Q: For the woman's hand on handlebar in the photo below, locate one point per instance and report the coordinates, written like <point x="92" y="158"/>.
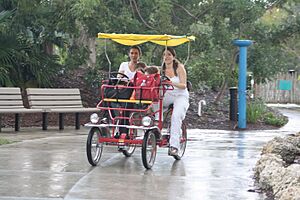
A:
<point x="167" y="83"/>
<point x="118" y="75"/>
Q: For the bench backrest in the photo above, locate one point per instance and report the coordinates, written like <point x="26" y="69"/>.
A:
<point x="54" y="98"/>
<point x="10" y="98"/>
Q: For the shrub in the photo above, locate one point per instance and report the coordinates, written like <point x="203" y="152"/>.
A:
<point x="255" y="111"/>
<point x="271" y="119"/>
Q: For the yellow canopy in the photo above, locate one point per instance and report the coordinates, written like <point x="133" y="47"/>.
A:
<point x="135" y="39"/>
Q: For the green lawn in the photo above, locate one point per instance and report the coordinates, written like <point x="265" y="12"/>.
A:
<point x="4" y="141"/>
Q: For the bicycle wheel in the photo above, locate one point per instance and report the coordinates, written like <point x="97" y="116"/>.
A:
<point x="182" y="138"/>
<point x="93" y="147"/>
<point x="183" y="142"/>
<point x="149" y="149"/>
<point x="129" y="148"/>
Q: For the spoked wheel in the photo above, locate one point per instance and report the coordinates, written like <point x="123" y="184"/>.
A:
<point x="129" y="148"/>
<point x="183" y="142"/>
<point x="149" y="149"/>
<point x="93" y="147"/>
<point x="183" y="136"/>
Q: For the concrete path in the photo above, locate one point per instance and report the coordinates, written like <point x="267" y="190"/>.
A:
<point x="53" y="165"/>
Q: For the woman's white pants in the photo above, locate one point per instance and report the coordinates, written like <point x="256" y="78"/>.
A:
<point x="180" y="107"/>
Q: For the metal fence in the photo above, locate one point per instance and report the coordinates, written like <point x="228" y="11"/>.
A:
<point x="284" y="88"/>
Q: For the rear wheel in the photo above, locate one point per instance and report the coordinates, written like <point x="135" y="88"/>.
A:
<point x="183" y="135"/>
<point x="93" y="147"/>
<point x="129" y="148"/>
<point x="183" y="142"/>
<point x="149" y="149"/>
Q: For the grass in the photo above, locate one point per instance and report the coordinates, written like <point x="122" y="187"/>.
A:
<point x="255" y="111"/>
<point x="4" y="141"/>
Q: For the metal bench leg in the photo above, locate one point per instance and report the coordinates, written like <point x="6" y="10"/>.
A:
<point x="0" y="122"/>
<point x="61" y="121"/>
<point x="17" y="122"/>
<point x="45" y="121"/>
<point x="77" y="121"/>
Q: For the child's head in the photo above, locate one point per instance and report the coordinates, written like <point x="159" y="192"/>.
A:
<point x="140" y="66"/>
<point x="151" y="70"/>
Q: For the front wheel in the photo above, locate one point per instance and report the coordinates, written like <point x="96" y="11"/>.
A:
<point x="149" y="149"/>
<point x="93" y="147"/>
<point x="183" y="142"/>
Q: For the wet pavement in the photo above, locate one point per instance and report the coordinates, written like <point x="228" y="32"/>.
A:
<point x="53" y="165"/>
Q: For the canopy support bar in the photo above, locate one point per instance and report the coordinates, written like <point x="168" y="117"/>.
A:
<point x="188" y="56"/>
<point x="109" y="63"/>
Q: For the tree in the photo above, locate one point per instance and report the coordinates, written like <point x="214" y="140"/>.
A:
<point x="71" y="27"/>
<point x="24" y="58"/>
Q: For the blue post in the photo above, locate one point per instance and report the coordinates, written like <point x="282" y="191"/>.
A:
<point x="242" y="106"/>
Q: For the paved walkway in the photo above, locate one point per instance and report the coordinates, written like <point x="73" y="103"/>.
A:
<point x="53" y="165"/>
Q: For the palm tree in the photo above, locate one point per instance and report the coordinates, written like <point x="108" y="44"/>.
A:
<point x="23" y="62"/>
<point x="8" y="48"/>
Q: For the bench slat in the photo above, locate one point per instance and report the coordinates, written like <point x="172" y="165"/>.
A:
<point x="10" y="97"/>
<point x="20" y="110"/>
<point x="35" y="98"/>
<point x="49" y="108"/>
<point x="9" y="90"/>
<point x="73" y="110"/>
<point x="55" y="103"/>
<point x="12" y="103"/>
<point x="10" y="106"/>
<point x="52" y="91"/>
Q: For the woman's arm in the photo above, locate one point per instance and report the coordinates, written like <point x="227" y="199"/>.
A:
<point x="182" y="77"/>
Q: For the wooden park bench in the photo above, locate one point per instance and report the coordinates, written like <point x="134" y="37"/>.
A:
<point x="11" y="103"/>
<point x="57" y="100"/>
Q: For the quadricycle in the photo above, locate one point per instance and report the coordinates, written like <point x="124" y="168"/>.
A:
<point x="140" y="122"/>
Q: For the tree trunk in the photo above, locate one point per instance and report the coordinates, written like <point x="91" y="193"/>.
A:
<point x="48" y="48"/>
<point x="90" y="43"/>
<point x="92" y="47"/>
<point x="225" y="81"/>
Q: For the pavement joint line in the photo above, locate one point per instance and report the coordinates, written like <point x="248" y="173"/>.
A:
<point x="44" y="172"/>
<point x="28" y="198"/>
<point x="77" y="183"/>
<point x="83" y="178"/>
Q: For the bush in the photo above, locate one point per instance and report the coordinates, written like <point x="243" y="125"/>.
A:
<point x="255" y="111"/>
<point x="274" y="120"/>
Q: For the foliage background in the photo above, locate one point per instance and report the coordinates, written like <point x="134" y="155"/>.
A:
<point x="43" y="38"/>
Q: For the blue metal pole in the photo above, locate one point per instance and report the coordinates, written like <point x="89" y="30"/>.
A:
<point x="242" y="103"/>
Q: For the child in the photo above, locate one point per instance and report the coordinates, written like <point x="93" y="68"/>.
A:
<point x="151" y="70"/>
<point x="143" y="70"/>
<point x="140" y="67"/>
<point x="149" y="78"/>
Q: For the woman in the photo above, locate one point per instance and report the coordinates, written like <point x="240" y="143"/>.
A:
<point x="128" y="68"/>
<point x="179" y="97"/>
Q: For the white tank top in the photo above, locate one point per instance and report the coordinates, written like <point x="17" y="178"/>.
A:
<point x="178" y="91"/>
<point x="125" y="67"/>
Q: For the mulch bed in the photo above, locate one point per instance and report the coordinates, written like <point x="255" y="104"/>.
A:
<point x="214" y="116"/>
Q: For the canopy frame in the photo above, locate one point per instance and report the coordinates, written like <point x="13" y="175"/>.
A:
<point x="137" y="39"/>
